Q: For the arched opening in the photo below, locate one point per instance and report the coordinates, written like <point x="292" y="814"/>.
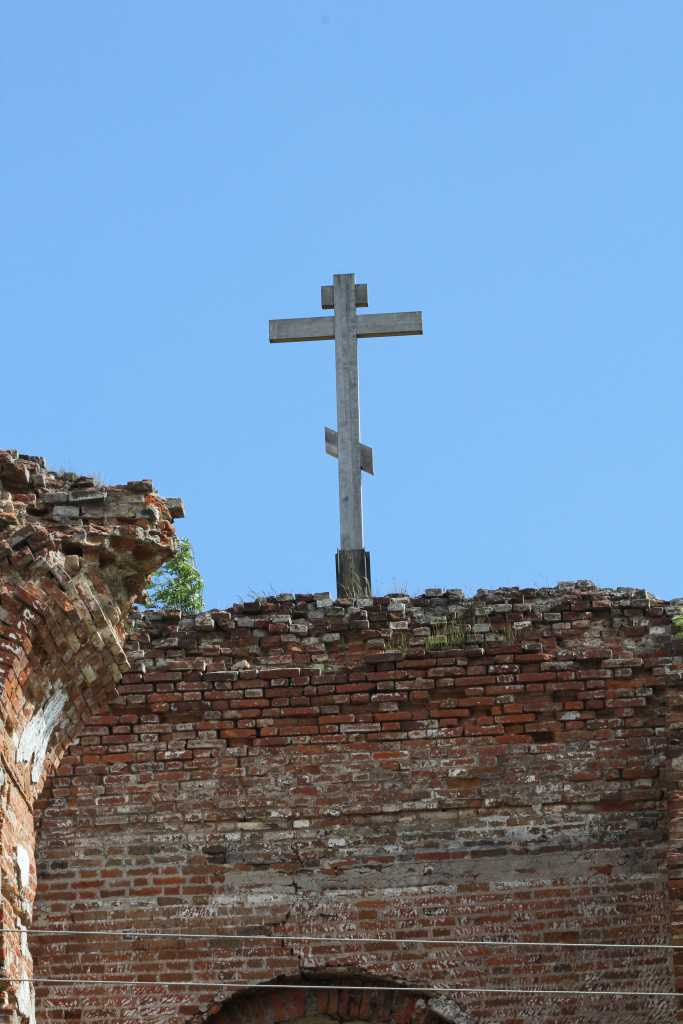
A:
<point x="339" y="999"/>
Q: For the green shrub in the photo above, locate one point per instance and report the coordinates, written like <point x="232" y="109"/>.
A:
<point x="178" y="584"/>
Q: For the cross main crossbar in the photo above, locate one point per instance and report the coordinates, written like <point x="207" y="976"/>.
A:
<point x="368" y="325"/>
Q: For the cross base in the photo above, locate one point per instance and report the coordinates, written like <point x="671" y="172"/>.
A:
<point x="353" y="573"/>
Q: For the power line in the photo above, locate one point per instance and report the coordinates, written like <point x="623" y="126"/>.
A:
<point x="447" y="990"/>
<point x="218" y="937"/>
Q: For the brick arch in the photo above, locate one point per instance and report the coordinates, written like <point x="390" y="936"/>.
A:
<point x="335" y="1000"/>
<point x="64" y="657"/>
<point x="74" y="554"/>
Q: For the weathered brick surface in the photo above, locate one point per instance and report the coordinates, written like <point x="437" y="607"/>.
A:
<point x="302" y="767"/>
<point x="73" y="554"/>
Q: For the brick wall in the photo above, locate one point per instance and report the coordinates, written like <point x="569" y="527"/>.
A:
<point x="434" y="767"/>
<point x="73" y="554"/>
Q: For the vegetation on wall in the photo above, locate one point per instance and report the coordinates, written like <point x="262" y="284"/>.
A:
<point x="178" y="584"/>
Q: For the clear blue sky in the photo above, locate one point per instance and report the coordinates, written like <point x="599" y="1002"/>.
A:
<point x="176" y="174"/>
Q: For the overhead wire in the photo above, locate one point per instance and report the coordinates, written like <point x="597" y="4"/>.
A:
<point x="406" y="989"/>
<point x="133" y="933"/>
<point x="355" y="939"/>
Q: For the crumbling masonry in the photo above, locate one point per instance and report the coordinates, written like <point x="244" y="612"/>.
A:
<point x="435" y="768"/>
<point x="73" y="555"/>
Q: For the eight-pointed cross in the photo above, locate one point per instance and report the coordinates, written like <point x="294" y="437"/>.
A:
<point x="346" y="326"/>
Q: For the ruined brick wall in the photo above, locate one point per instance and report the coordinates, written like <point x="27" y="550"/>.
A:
<point x="439" y="767"/>
<point x="73" y="554"/>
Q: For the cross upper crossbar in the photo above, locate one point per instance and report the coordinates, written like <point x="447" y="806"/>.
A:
<point x="345" y="327"/>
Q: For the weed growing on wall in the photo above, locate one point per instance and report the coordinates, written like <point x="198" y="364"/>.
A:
<point x="678" y="622"/>
<point x="452" y="633"/>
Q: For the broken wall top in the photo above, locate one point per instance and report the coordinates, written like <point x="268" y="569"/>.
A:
<point x="73" y="522"/>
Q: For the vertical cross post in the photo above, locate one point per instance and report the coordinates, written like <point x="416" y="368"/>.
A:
<point x="353" y="562"/>
<point x="345" y="327"/>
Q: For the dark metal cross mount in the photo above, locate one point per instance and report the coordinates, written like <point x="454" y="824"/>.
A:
<point x="345" y="327"/>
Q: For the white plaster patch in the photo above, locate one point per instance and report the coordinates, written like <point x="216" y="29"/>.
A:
<point x="23" y="866"/>
<point x="26" y="1000"/>
<point x="35" y="738"/>
<point x="447" y="1008"/>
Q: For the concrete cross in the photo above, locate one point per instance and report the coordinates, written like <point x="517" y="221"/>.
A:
<point x="345" y="327"/>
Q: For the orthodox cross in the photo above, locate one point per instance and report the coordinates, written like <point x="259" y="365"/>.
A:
<point x="345" y="327"/>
